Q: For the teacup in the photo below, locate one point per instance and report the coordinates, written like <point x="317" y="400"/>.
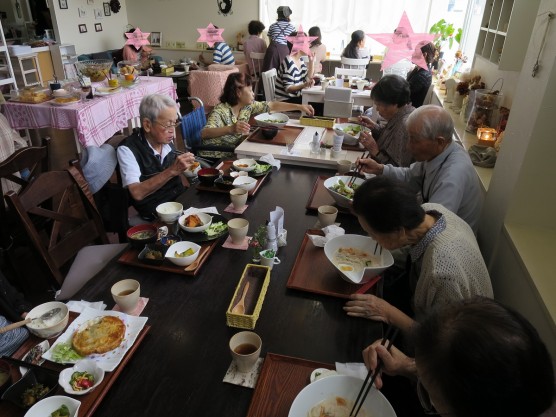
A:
<point x="238" y="196"/>
<point x="126" y="294"/>
<point x="245" y="348"/>
<point x="237" y="228"/>
<point x="344" y="166"/>
<point x="327" y="215"/>
<point x="324" y="84"/>
<point x="269" y="261"/>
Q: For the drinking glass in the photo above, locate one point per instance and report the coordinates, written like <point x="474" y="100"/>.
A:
<point x="290" y="143"/>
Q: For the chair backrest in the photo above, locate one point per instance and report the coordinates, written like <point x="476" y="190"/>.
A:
<point x="350" y="72"/>
<point x="208" y="85"/>
<point x="269" y="84"/>
<point x="192" y="123"/>
<point x="354" y="62"/>
<point x="257" y="61"/>
<point x="63" y="199"/>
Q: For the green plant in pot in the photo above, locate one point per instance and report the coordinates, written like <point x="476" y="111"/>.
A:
<point x="447" y="33"/>
<point x="258" y="242"/>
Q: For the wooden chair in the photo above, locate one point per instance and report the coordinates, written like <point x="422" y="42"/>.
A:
<point x="257" y="64"/>
<point x="350" y="72"/>
<point x="354" y="63"/>
<point x="67" y="247"/>
<point x="208" y="85"/>
<point x="269" y="84"/>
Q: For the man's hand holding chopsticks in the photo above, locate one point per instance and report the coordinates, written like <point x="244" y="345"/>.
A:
<point x="395" y="362"/>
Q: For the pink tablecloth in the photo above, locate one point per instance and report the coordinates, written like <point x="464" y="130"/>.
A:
<point x="95" y="121"/>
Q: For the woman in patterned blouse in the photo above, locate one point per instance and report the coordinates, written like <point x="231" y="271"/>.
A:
<point x="228" y="122"/>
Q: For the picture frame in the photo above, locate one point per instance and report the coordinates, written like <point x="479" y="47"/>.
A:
<point x="82" y="12"/>
<point x="156" y="38"/>
<point x="63" y="4"/>
<point x="106" y="9"/>
<point x="99" y="14"/>
<point x="98" y="27"/>
<point x="82" y="28"/>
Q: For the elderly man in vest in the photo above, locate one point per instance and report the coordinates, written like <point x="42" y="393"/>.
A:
<point x="150" y="167"/>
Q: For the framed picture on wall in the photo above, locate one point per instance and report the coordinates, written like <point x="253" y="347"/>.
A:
<point x="106" y="9"/>
<point x="82" y="12"/>
<point x="98" y="27"/>
<point x="63" y="4"/>
<point x="99" y="14"/>
<point x="156" y="38"/>
<point x="82" y="28"/>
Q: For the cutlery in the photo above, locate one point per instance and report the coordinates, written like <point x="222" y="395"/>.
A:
<point x="239" y="308"/>
<point x="195" y="263"/>
<point x="27" y="364"/>
<point x="45" y="316"/>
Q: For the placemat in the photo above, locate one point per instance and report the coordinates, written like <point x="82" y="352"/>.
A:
<point x="281" y="138"/>
<point x="321" y="197"/>
<point x="225" y="167"/>
<point x="89" y="402"/>
<point x="313" y="272"/>
<point x="281" y="379"/>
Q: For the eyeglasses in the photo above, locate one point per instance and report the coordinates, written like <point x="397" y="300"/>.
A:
<point x="425" y="400"/>
<point x="170" y="126"/>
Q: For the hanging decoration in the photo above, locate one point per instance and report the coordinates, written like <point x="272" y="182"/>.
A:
<point x="115" y="6"/>
<point x="224" y="7"/>
<point x="210" y="35"/>
<point x="301" y="42"/>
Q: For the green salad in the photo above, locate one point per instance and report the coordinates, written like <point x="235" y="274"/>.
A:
<point x="216" y="228"/>
<point x="63" y="353"/>
<point x="352" y="130"/>
<point x="342" y="188"/>
<point x="262" y="168"/>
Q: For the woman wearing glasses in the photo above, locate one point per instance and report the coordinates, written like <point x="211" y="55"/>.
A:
<point x="474" y="358"/>
<point x="150" y="168"/>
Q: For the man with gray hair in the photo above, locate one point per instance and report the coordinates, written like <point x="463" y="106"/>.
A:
<point x="443" y="172"/>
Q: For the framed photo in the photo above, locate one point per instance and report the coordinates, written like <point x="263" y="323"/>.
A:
<point x="82" y="28"/>
<point x="156" y="38"/>
<point x="106" y="9"/>
<point x="99" y="14"/>
<point x="63" y="4"/>
<point x="98" y="27"/>
<point x="82" y="12"/>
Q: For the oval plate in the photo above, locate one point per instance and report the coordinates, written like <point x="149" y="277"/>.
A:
<point x="203" y="237"/>
<point x="254" y="173"/>
<point x="34" y="355"/>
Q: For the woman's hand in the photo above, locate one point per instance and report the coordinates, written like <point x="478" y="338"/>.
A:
<point x="370" y="166"/>
<point x="240" y="128"/>
<point x="368" y="306"/>
<point x="307" y="109"/>
<point x="367" y="122"/>
<point x="367" y="140"/>
<point x="394" y="362"/>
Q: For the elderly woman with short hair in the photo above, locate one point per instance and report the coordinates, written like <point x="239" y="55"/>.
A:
<point x="444" y="263"/>
<point x="150" y="168"/>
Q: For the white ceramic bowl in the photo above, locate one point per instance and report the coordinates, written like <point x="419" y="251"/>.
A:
<point x="50" y="404"/>
<point x="349" y="139"/>
<point x="247" y="183"/>
<point x="191" y="173"/>
<point x="364" y="243"/>
<point x="245" y="164"/>
<point x="344" y="386"/>
<point x="81" y="366"/>
<point x="341" y="199"/>
<point x="205" y="218"/>
<point x="272" y="119"/>
<point x="182" y="247"/>
<point x="169" y="212"/>
<point x="55" y="326"/>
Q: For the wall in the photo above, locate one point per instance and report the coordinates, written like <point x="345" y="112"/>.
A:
<point x="67" y="21"/>
<point x="490" y="74"/>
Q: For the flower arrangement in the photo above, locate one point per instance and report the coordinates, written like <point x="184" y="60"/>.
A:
<point x="258" y="242"/>
<point x="463" y="88"/>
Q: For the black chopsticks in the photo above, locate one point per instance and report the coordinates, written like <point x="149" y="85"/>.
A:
<point x="357" y="170"/>
<point x="28" y="365"/>
<point x="387" y="340"/>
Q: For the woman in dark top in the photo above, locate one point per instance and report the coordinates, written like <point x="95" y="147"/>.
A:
<point x="419" y="78"/>
<point x="356" y="47"/>
<point x="277" y="32"/>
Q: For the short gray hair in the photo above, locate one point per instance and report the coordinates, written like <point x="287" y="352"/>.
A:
<point x="435" y="121"/>
<point x="152" y="105"/>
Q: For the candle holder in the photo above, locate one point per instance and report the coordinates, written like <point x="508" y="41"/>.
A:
<point x="487" y="136"/>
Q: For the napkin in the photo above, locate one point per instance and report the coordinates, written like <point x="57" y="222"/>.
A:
<point x="79" y="306"/>
<point x="241" y="246"/>
<point x="271" y="160"/>
<point x="277" y="221"/>
<point x="141" y="304"/>
<point x="193" y="210"/>
<point x="244" y="379"/>
<point x="356" y="369"/>
<point x="230" y="209"/>
<point x="329" y="232"/>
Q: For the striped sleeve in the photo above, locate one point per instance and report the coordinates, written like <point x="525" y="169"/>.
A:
<point x="289" y="74"/>
<point x="223" y="54"/>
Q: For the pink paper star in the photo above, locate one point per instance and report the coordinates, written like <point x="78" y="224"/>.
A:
<point x="210" y="35"/>
<point x="402" y="44"/>
<point x="301" y="42"/>
<point x="137" y="38"/>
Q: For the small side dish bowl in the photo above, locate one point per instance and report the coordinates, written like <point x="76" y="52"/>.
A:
<point x="142" y="234"/>
<point x="153" y="254"/>
<point x="247" y="183"/>
<point x="181" y="247"/>
<point x="269" y="132"/>
<point x="208" y="175"/>
<point x="169" y="212"/>
<point x="169" y="240"/>
<point x="47" y="406"/>
<point x="205" y="218"/>
<point x="49" y="380"/>
<point x="350" y="131"/>
<point x="342" y="198"/>
<point x="225" y="182"/>
<point x="193" y="170"/>
<point x="245" y="164"/>
<point x="52" y="327"/>
<point x="272" y="119"/>
<point x="82" y="366"/>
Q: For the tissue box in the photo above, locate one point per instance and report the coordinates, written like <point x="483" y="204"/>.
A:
<point x="167" y="70"/>
<point x="258" y="277"/>
<point x="317" y="121"/>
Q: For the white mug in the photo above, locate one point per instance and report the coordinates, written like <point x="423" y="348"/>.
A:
<point x="270" y="262"/>
<point x="324" y="84"/>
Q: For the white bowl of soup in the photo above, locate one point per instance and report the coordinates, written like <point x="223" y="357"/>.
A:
<point x="357" y="258"/>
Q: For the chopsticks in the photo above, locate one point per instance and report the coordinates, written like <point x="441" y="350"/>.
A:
<point x="387" y="340"/>
<point x="28" y="365"/>
<point x="357" y="170"/>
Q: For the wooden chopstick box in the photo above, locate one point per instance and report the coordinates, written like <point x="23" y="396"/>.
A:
<point x="258" y="277"/>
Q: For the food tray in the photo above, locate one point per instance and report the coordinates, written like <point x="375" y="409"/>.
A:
<point x="282" y="136"/>
<point x="89" y="402"/>
<point x="131" y="257"/>
<point x="281" y="379"/>
<point x="258" y="277"/>
<point x="321" y="197"/>
<point x="317" y="121"/>
<point x="313" y="272"/>
<point x="225" y="167"/>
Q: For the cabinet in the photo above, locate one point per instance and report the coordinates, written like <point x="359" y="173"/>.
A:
<point x="6" y="71"/>
<point x="505" y="31"/>
<point x="63" y="60"/>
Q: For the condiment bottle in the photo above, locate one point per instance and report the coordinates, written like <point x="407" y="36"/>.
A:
<point x="271" y="242"/>
<point x="315" y="144"/>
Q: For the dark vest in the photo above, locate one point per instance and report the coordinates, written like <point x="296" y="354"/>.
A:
<point x="150" y="165"/>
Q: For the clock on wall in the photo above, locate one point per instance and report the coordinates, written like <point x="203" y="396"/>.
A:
<point x="224" y="7"/>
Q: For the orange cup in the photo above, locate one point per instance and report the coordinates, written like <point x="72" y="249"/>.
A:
<point x="129" y="77"/>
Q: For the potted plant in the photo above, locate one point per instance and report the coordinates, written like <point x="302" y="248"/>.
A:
<point x="258" y="242"/>
<point x="446" y="32"/>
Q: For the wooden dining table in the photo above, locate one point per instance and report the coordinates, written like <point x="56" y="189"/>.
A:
<point x="178" y="368"/>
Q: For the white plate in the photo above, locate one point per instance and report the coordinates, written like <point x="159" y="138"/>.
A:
<point x="55" y="103"/>
<point x="41" y="348"/>
<point x="109" y="360"/>
<point x="106" y="91"/>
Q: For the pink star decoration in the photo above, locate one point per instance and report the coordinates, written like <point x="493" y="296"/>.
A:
<point x="403" y="43"/>
<point x="301" y="42"/>
<point x="210" y="35"/>
<point x="137" y="38"/>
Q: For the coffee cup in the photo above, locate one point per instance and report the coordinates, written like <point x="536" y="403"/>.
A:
<point x="327" y="215"/>
<point x="55" y="86"/>
<point x="126" y="294"/>
<point x="324" y="84"/>
<point x="344" y="166"/>
<point x="245" y="348"/>
<point x="237" y="228"/>
<point x="267" y="260"/>
<point x="238" y="196"/>
<point x="361" y="84"/>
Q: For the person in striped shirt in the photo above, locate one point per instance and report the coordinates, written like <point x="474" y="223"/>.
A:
<point x="277" y="32"/>
<point x="222" y="55"/>
<point x="293" y="76"/>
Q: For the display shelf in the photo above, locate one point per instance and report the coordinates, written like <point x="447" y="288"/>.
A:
<point x="62" y="56"/>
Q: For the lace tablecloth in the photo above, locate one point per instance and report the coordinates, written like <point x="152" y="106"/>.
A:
<point x="95" y="121"/>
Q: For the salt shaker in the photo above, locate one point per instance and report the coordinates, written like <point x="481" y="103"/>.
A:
<point x="315" y="144"/>
<point x="271" y="242"/>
